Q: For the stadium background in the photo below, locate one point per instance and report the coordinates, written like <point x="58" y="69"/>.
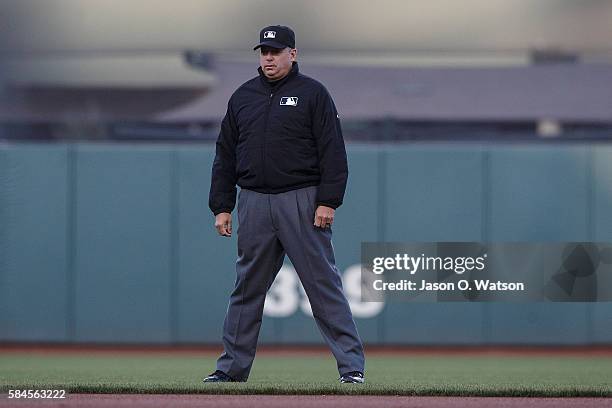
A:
<point x="461" y="131"/>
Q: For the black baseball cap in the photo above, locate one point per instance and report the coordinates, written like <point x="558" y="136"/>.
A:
<point x="276" y="36"/>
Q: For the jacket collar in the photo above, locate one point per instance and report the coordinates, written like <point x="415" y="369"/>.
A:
<point x="294" y="71"/>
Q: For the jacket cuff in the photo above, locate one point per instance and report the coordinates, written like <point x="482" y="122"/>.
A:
<point x="334" y="206"/>
<point x="222" y="210"/>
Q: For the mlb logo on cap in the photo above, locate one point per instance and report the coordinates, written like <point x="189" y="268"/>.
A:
<point x="289" y="100"/>
<point x="270" y="34"/>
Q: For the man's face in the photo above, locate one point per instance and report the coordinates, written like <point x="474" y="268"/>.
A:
<point x="275" y="62"/>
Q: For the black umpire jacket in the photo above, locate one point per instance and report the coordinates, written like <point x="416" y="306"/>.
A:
<point x="279" y="136"/>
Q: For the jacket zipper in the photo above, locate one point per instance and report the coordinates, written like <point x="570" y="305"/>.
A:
<point x="263" y="148"/>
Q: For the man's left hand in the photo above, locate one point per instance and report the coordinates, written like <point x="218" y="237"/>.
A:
<point x="324" y="216"/>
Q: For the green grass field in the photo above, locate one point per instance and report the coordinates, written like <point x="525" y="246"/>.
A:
<point x="475" y="375"/>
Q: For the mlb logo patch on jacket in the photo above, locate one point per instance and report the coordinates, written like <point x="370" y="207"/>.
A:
<point x="289" y="100"/>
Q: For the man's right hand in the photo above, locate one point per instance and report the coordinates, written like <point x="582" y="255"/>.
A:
<point x="223" y="224"/>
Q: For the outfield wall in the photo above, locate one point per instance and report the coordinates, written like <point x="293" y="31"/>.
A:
<point x="115" y="242"/>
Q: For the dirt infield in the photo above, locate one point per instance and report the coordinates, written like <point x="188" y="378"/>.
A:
<point x="306" y="401"/>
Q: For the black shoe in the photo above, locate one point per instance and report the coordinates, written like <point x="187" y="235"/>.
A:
<point x="218" y="376"/>
<point x="354" y="377"/>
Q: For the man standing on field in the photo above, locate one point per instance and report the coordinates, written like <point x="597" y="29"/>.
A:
<point x="281" y="142"/>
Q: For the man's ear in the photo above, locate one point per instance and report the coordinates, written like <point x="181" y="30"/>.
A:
<point x="293" y="53"/>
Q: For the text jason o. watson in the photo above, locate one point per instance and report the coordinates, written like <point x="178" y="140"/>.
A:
<point x="423" y="285"/>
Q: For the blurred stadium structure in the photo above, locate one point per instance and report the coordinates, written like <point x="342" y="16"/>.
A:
<point x="113" y="241"/>
<point x="415" y="71"/>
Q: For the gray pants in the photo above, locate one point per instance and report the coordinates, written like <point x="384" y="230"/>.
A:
<point x="271" y="225"/>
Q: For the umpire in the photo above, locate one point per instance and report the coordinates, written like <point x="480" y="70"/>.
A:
<point x="281" y="142"/>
